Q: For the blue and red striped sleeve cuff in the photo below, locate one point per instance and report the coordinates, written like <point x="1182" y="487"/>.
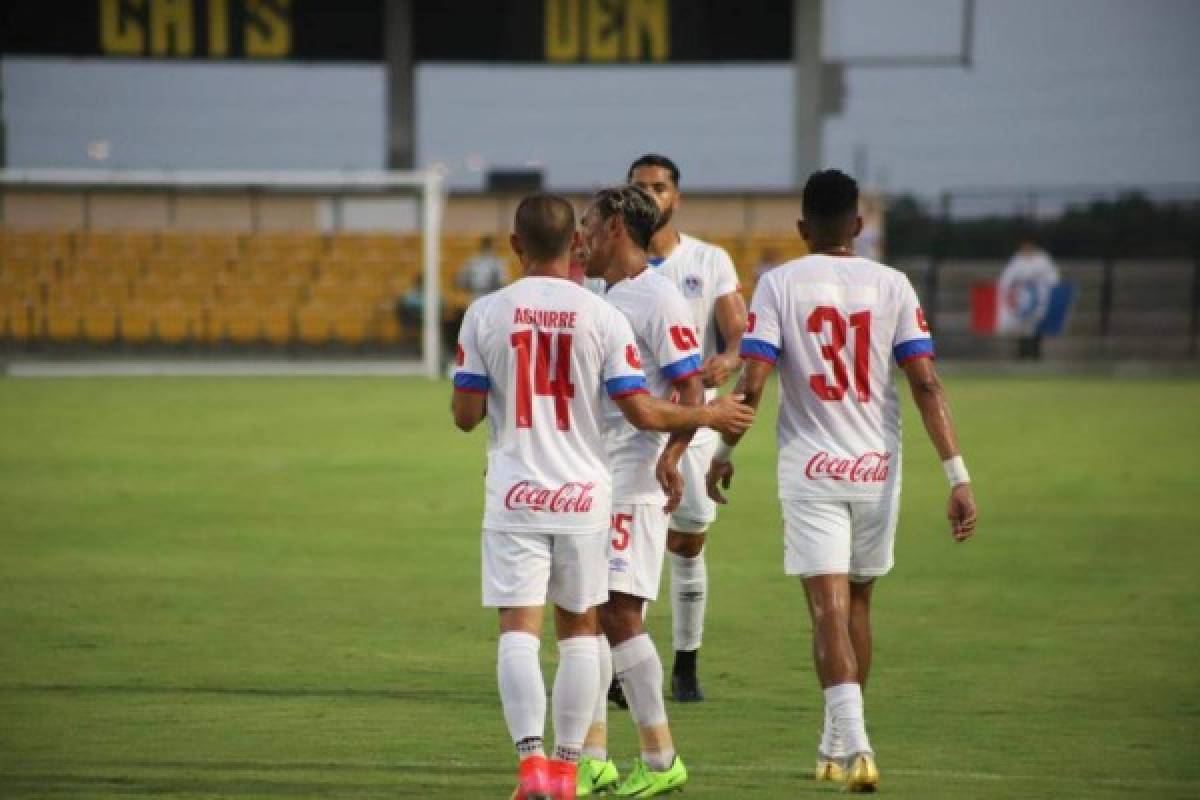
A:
<point x="913" y="348"/>
<point x="470" y="382"/>
<point x="683" y="368"/>
<point x="625" y="386"/>
<point x="758" y="350"/>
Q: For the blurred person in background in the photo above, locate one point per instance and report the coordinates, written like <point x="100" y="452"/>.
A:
<point x="1024" y="289"/>
<point x="705" y="275"/>
<point x="768" y="261"/>
<point x="483" y="272"/>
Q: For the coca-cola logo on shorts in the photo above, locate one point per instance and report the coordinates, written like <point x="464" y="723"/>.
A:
<point x="872" y="467"/>
<point x="570" y="498"/>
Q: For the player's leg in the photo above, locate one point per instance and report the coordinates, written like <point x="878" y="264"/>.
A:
<point x="872" y="555"/>
<point x="817" y="548"/>
<point x="860" y="625"/>
<point x="516" y="570"/>
<point x="689" y="570"/>
<point x="578" y="583"/>
<point x="635" y="566"/>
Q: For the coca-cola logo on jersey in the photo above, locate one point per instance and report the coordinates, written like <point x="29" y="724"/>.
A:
<point x="570" y="498"/>
<point x="872" y="467"/>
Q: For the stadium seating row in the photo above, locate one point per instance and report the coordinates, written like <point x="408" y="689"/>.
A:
<point x="138" y="286"/>
<point x="175" y="324"/>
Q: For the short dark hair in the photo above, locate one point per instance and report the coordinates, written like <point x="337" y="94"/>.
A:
<point x="638" y="211"/>
<point x="545" y="224"/>
<point x="830" y="195"/>
<point x="655" y="160"/>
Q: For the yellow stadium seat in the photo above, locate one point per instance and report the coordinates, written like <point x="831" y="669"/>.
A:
<point x="351" y="324"/>
<point x="136" y="324"/>
<point x="313" y="324"/>
<point x="17" y="322"/>
<point x="62" y="322"/>
<point x="276" y="323"/>
<point x="173" y="323"/>
<point x="241" y="324"/>
<point x="99" y="323"/>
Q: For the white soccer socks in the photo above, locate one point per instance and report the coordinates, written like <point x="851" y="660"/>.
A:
<point x="689" y="596"/>
<point x="522" y="691"/>
<point x="844" y="704"/>
<point x="832" y="744"/>
<point x="595" y="745"/>
<point x="575" y="688"/>
<point x="640" y="671"/>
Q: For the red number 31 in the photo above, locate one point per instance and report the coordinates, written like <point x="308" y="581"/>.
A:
<point x="828" y="320"/>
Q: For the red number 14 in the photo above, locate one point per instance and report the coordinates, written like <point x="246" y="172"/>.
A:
<point x="559" y="387"/>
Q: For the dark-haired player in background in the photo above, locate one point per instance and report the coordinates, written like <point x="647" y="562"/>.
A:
<point x="833" y="323"/>
<point x="617" y="227"/>
<point x="705" y="275"/>
<point x="537" y="359"/>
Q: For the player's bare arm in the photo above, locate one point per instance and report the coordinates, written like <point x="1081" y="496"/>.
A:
<point x="691" y="393"/>
<point x="750" y="387"/>
<point x="730" y="313"/>
<point x="930" y="397"/>
<point x="726" y="415"/>
<point x="469" y="409"/>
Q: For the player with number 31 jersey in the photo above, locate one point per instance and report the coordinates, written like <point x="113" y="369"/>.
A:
<point x="834" y="324"/>
<point x="839" y="417"/>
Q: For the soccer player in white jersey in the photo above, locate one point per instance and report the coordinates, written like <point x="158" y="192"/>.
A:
<point x="705" y="275"/>
<point x="537" y="359"/>
<point x="617" y="227"/>
<point x="834" y="323"/>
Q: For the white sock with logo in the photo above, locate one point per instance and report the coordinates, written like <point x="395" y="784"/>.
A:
<point x="689" y="596"/>
<point x="832" y="745"/>
<point x="845" y="704"/>
<point x="592" y="747"/>
<point x="522" y="690"/>
<point x="574" y="698"/>
<point x="640" y="670"/>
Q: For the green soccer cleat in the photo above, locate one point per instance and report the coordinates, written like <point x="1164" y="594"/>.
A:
<point x="644" y="783"/>
<point x="595" y="777"/>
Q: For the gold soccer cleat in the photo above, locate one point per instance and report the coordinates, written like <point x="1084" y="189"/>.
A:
<point x="862" y="775"/>
<point x="829" y="769"/>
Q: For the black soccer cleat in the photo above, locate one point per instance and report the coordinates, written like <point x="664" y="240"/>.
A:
<point x="685" y="685"/>
<point x="616" y="695"/>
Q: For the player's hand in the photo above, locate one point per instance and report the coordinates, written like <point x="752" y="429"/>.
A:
<point x="670" y="479"/>
<point x="717" y="369"/>
<point x="729" y="415"/>
<point x="720" y="473"/>
<point x="961" y="512"/>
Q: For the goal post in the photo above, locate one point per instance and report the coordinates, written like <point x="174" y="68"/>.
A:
<point x="389" y="202"/>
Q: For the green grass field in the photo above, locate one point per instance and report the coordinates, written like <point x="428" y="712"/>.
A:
<point x="270" y="588"/>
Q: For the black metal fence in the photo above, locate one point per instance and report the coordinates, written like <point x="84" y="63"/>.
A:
<point x="1133" y="253"/>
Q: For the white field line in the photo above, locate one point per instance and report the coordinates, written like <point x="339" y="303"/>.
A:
<point x="698" y="769"/>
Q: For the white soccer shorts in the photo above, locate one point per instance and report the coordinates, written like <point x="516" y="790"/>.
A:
<point x="836" y="538"/>
<point x="636" y="544"/>
<point x="696" y="511"/>
<point x="529" y="569"/>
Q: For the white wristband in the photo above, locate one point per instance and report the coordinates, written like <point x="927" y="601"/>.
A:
<point x="956" y="471"/>
<point x="724" y="451"/>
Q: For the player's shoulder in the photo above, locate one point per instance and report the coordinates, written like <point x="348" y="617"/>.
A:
<point x="704" y="251"/>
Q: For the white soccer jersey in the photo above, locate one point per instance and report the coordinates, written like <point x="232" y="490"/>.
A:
<point x="546" y="351"/>
<point x="667" y="344"/>
<point x="834" y="325"/>
<point x="702" y="272"/>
